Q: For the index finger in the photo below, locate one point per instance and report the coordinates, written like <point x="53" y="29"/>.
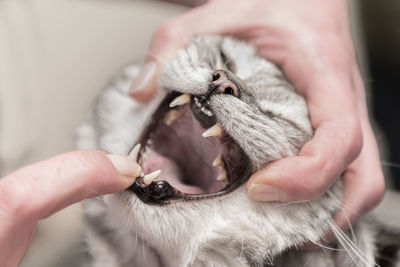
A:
<point x="174" y="35"/>
<point x="43" y="188"/>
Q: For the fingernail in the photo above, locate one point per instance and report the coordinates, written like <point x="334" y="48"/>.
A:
<point x="144" y="77"/>
<point x="264" y="192"/>
<point x="124" y="165"/>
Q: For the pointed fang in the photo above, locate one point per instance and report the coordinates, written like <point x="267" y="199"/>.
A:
<point x="180" y="100"/>
<point x="218" y="162"/>
<point x="149" y="178"/>
<point x="216" y="130"/>
<point x="134" y="153"/>
<point x="171" y="117"/>
<point x="222" y="177"/>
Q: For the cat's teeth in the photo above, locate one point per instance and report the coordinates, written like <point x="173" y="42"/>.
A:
<point x="148" y="178"/>
<point x="206" y="111"/>
<point x="202" y="108"/>
<point x="134" y="153"/>
<point x="218" y="162"/>
<point x="222" y="177"/>
<point x="216" y="130"/>
<point x="180" y="100"/>
<point x="172" y="116"/>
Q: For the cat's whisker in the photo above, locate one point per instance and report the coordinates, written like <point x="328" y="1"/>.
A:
<point x="172" y="116"/>
<point x="149" y="178"/>
<point x="180" y="100"/>
<point x="215" y="130"/>
<point x="134" y="153"/>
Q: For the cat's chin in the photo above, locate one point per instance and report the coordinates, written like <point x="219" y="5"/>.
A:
<point x="196" y="163"/>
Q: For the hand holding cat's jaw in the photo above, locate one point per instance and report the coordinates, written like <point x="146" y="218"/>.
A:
<point x="322" y="71"/>
<point x="145" y="86"/>
<point x="343" y="146"/>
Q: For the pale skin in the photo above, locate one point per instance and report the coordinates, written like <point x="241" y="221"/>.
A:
<point x="39" y="190"/>
<point x="310" y="40"/>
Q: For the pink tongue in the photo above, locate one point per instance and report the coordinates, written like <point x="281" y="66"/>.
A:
<point x="169" y="171"/>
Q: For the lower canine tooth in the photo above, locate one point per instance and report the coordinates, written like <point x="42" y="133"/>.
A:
<point x="222" y="177"/>
<point x="180" y="100"/>
<point x="171" y="117"/>
<point x="148" y="178"/>
<point x="216" y="130"/>
<point x="134" y="153"/>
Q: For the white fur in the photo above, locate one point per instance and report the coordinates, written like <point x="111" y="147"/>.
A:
<point x="225" y="231"/>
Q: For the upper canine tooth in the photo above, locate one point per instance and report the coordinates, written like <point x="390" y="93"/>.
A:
<point x="134" y="153"/>
<point x="148" y="178"/>
<point x="172" y="117"/>
<point x="218" y="162"/>
<point x="180" y="100"/>
<point x="216" y="130"/>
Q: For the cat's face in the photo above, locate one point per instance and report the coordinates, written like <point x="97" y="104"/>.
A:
<point x="252" y="113"/>
<point x="196" y="211"/>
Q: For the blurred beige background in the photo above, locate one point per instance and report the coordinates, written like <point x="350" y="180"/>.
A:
<point x="56" y="55"/>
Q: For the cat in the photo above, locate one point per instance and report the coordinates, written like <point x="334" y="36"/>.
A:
<point x="223" y="113"/>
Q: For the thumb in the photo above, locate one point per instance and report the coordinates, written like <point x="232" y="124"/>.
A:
<point x="175" y="34"/>
<point x="162" y="49"/>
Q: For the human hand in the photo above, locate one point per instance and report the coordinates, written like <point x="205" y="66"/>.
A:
<point x="311" y="41"/>
<point x="39" y="190"/>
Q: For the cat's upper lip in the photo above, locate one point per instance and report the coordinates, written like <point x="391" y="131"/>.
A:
<point x="230" y="164"/>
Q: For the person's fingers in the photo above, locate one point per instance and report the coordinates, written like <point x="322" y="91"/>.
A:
<point x="145" y="85"/>
<point x="363" y="181"/>
<point x="43" y="188"/>
<point x="175" y="34"/>
<point x="167" y="40"/>
<point x="363" y="185"/>
<point x="38" y="190"/>
<point x="336" y="143"/>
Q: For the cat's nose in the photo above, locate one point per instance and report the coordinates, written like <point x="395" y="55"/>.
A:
<point x="223" y="83"/>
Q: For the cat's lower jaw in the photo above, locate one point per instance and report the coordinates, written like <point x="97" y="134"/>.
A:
<point x="207" y="238"/>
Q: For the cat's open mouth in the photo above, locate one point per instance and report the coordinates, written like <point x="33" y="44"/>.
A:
<point x="196" y="157"/>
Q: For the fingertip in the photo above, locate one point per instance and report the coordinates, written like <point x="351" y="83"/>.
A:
<point x="97" y="171"/>
<point x="109" y="173"/>
<point x="144" y="95"/>
<point x="125" y="166"/>
<point x="166" y="41"/>
<point x="265" y="185"/>
<point x="266" y="193"/>
<point x="144" y="86"/>
<point x="293" y="179"/>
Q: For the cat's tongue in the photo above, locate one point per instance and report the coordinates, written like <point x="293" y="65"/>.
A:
<point x="170" y="172"/>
